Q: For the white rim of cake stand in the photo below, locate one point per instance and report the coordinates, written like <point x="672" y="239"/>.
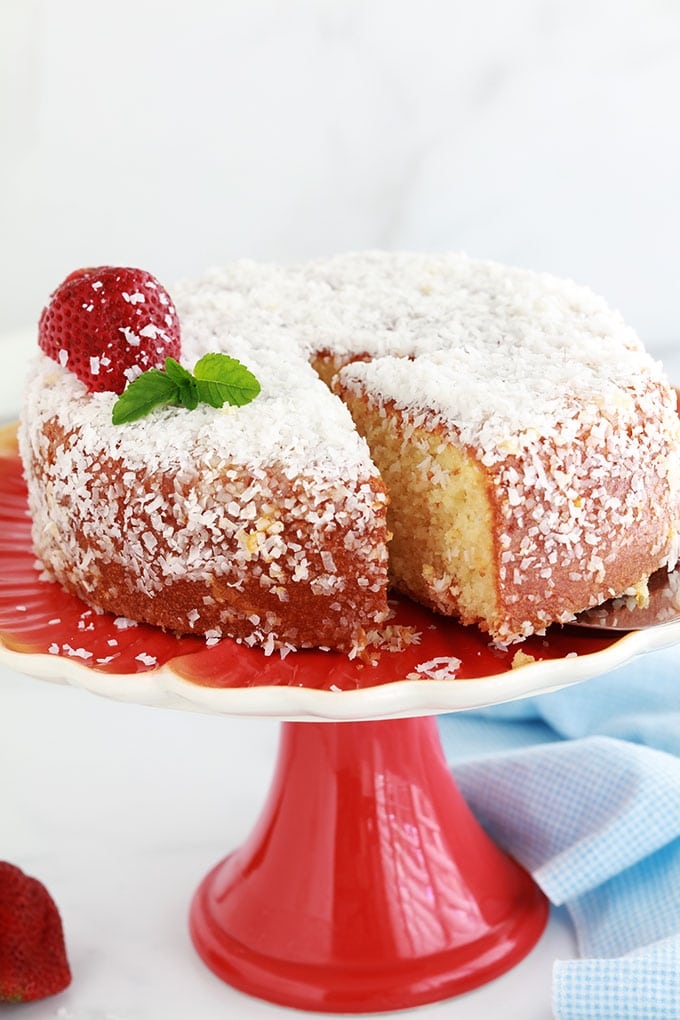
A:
<point x="164" y="688"/>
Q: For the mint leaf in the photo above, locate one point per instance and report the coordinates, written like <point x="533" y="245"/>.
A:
<point x="188" y="394"/>
<point x="143" y="394"/>
<point x="187" y="390"/>
<point x="217" y="380"/>
<point x="224" y="380"/>
<point x="177" y="372"/>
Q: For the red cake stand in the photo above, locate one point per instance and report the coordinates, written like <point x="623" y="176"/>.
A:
<point x="367" y="885"/>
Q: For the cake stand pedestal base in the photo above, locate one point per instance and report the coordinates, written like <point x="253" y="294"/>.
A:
<point x="366" y="885"/>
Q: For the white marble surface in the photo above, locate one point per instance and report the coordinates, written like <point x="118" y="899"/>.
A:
<point x="176" y="135"/>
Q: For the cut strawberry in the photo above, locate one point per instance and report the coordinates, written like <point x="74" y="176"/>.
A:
<point x="33" y="960"/>
<point x="108" y="325"/>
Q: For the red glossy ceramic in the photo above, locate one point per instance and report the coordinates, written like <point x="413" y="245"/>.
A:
<point x="367" y="885"/>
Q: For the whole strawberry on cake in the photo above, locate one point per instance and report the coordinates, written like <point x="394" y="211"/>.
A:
<point x="263" y="454"/>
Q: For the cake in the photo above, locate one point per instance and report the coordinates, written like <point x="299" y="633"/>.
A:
<point x="486" y="440"/>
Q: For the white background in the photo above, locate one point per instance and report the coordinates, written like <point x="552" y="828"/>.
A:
<point x="177" y="136"/>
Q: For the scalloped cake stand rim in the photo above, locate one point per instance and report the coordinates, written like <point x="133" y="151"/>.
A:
<point x="163" y="687"/>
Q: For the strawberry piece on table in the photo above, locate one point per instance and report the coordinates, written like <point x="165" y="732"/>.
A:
<point x="33" y="961"/>
<point x="108" y="325"/>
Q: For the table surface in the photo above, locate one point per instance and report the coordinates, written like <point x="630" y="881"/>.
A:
<point x="121" y="809"/>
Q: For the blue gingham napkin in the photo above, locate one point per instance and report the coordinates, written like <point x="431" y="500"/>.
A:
<point x="582" y="786"/>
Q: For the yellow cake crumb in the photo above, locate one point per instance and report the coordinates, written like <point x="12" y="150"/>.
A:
<point x="521" y="658"/>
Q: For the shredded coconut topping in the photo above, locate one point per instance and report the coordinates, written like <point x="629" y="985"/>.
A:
<point x="443" y="667"/>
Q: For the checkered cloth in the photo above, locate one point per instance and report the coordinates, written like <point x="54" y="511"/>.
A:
<point x="582" y="786"/>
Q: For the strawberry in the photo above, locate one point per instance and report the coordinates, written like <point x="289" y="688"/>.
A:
<point x="108" y="325"/>
<point x="33" y="960"/>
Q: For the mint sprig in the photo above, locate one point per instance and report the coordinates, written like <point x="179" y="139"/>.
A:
<point x="217" y="379"/>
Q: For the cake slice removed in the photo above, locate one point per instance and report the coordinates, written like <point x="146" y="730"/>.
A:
<point x="527" y="482"/>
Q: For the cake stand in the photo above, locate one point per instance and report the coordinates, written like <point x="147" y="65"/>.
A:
<point x="366" y="885"/>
